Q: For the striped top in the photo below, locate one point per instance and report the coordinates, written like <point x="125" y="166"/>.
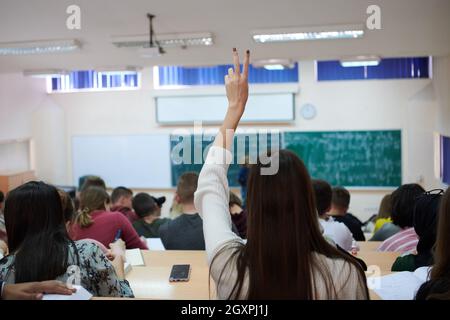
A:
<point x="403" y="241"/>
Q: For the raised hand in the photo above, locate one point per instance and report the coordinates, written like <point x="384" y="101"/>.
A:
<point x="236" y="84"/>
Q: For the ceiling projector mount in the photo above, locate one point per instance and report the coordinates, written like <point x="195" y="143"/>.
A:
<point x="153" y="48"/>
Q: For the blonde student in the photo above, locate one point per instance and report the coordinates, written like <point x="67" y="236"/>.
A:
<point x="286" y="256"/>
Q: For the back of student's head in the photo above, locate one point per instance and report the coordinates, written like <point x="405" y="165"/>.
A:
<point x="340" y="198"/>
<point x="119" y="193"/>
<point x="144" y="205"/>
<point x="91" y="199"/>
<point x="186" y="187"/>
<point x="385" y="209"/>
<point x="2" y="199"/>
<point x="283" y="235"/>
<point x="441" y="268"/>
<point x="425" y="225"/>
<point x="92" y="181"/>
<point x="234" y="200"/>
<point x="403" y="202"/>
<point x="37" y="235"/>
<point x="322" y="195"/>
<point x="67" y="206"/>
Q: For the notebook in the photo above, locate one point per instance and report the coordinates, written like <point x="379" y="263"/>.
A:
<point x="81" y="294"/>
<point x="399" y="285"/>
<point x="155" y="244"/>
<point x="134" y="257"/>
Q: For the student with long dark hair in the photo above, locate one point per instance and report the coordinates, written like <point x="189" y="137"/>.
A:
<point x="41" y="249"/>
<point x="425" y="225"/>
<point x="286" y="256"/>
<point x="438" y="287"/>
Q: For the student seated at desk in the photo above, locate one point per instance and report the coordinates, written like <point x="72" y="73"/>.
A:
<point x="149" y="215"/>
<point x="340" y="202"/>
<point x="286" y="256"/>
<point x="384" y="228"/>
<point x="2" y="219"/>
<point x="41" y="249"/>
<point x="95" y="221"/>
<point x="438" y="287"/>
<point x="186" y="231"/>
<point x="121" y="201"/>
<point x="425" y="226"/>
<point x="336" y="231"/>
<point x="403" y="202"/>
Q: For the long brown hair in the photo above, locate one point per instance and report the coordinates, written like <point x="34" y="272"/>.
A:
<point x="91" y="199"/>
<point x="441" y="268"/>
<point x="385" y="209"/>
<point x="283" y="234"/>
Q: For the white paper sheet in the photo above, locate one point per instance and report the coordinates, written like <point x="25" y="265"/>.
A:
<point x="134" y="257"/>
<point x="81" y="294"/>
<point x="155" y="244"/>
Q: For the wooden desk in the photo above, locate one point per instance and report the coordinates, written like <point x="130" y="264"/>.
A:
<point x="152" y="280"/>
<point x="369" y="245"/>
<point x="384" y="260"/>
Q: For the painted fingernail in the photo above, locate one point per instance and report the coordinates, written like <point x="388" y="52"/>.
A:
<point x="234" y="49"/>
<point x="248" y="51"/>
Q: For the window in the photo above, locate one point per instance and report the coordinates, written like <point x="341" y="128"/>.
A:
<point x="90" y="80"/>
<point x="389" y="68"/>
<point x="178" y="76"/>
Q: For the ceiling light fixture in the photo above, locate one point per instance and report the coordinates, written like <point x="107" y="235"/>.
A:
<point x="308" y="33"/>
<point x="39" y="47"/>
<point x="274" y="64"/>
<point x="165" y="40"/>
<point x="360" y="61"/>
<point x="45" y="73"/>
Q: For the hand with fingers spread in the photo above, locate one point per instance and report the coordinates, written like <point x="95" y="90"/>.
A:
<point x="236" y="83"/>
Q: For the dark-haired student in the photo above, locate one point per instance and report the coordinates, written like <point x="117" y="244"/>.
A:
<point x="149" y="214"/>
<point x="384" y="228"/>
<point x="91" y="181"/>
<point x="2" y="219"/>
<point x="438" y="287"/>
<point x="186" y="231"/>
<point x="33" y="290"/>
<point x="41" y="249"/>
<point x="286" y="256"/>
<point x="334" y="230"/>
<point x="340" y="202"/>
<point x="425" y="225"/>
<point x="403" y="202"/>
<point x="96" y="221"/>
<point x="121" y="201"/>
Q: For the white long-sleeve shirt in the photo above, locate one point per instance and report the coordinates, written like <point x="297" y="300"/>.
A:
<point x="211" y="201"/>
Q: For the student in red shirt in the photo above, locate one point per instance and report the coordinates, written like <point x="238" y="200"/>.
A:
<point x="95" y="221"/>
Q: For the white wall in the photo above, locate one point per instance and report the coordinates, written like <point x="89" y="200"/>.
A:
<point x="410" y="105"/>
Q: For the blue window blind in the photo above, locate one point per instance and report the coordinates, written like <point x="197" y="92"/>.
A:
<point x="445" y="159"/>
<point x="90" y="79"/>
<point x="204" y="76"/>
<point x="389" y="68"/>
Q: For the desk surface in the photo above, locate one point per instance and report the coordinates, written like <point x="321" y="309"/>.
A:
<point x="369" y="245"/>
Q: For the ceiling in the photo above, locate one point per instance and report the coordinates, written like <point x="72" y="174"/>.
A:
<point x="409" y="27"/>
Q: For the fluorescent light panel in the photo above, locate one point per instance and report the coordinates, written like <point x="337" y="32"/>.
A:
<point x="45" y="73"/>
<point x="361" y="61"/>
<point x="273" y="64"/>
<point x="165" y="40"/>
<point x="311" y="33"/>
<point x="39" y="47"/>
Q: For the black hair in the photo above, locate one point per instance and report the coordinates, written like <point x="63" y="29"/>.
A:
<point x="144" y="205"/>
<point x="2" y="196"/>
<point x="322" y="195"/>
<point x="403" y="202"/>
<point x="37" y="234"/>
<point x="120" y="192"/>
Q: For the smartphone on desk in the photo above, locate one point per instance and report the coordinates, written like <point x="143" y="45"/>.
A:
<point x="180" y="272"/>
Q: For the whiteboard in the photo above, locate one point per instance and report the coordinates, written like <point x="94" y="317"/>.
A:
<point x="267" y="107"/>
<point x="140" y="161"/>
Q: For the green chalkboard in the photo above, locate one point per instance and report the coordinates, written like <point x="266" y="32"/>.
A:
<point x="350" y="158"/>
<point x="188" y="152"/>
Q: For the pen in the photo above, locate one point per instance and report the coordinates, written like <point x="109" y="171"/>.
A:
<point x="118" y="235"/>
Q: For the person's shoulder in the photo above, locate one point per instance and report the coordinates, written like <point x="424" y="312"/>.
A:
<point x="87" y="247"/>
<point x="404" y="263"/>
